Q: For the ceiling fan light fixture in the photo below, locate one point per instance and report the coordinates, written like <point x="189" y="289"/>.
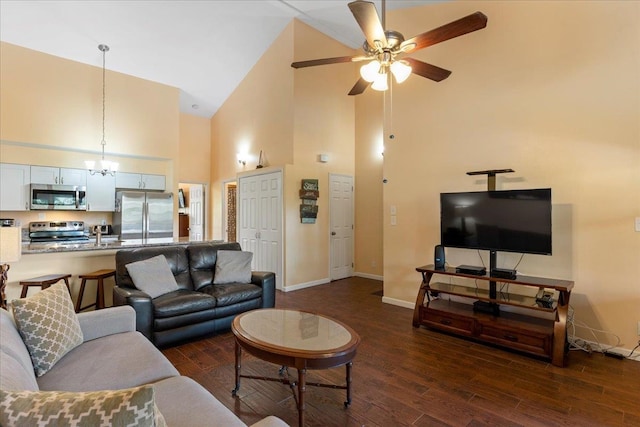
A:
<point x="401" y="70"/>
<point x="370" y="71"/>
<point x="380" y="83"/>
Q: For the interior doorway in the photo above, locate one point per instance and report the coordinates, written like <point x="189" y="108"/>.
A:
<point x="229" y="221"/>
<point x="341" y="226"/>
<point x="192" y="211"/>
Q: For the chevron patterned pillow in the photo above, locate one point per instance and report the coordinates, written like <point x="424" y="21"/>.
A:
<point x="48" y="325"/>
<point x="129" y="407"/>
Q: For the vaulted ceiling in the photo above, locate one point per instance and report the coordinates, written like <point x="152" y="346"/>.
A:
<point x="203" y="47"/>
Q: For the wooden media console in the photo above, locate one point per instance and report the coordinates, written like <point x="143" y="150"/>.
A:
<point x="529" y="326"/>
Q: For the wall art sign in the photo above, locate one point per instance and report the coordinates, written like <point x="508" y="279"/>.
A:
<point x="309" y="195"/>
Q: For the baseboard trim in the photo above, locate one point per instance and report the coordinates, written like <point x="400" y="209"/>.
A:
<point x="369" y="276"/>
<point x="305" y="285"/>
<point x="398" y="302"/>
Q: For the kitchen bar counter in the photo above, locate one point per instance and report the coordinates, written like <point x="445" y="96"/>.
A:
<point x="108" y="243"/>
<point x="76" y="258"/>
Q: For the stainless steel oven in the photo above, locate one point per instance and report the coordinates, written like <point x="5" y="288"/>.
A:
<point x="58" y="197"/>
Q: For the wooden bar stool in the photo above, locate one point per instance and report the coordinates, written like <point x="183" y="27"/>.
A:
<point x="44" y="282"/>
<point x="99" y="275"/>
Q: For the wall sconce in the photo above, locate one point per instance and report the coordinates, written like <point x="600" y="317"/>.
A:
<point x="241" y="159"/>
<point x="10" y="251"/>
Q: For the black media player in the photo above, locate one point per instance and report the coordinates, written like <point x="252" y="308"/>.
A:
<point x="471" y="269"/>
<point x="503" y="273"/>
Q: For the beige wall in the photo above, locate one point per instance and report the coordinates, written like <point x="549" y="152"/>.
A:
<point x="552" y="90"/>
<point x="195" y="149"/>
<point x="194" y="160"/>
<point x="293" y="116"/>
<point x="256" y="116"/>
<point x="323" y="124"/>
<point x="549" y="89"/>
<point x="369" y="149"/>
<point x="57" y="102"/>
<point x="51" y="114"/>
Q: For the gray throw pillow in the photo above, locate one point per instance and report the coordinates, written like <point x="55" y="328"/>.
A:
<point x="233" y="267"/>
<point x="48" y="325"/>
<point x="153" y="276"/>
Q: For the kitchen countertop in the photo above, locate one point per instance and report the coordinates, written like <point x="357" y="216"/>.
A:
<point x="108" y="243"/>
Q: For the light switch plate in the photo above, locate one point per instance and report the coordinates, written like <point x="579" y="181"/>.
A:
<point x="638" y="223"/>
<point x="392" y="210"/>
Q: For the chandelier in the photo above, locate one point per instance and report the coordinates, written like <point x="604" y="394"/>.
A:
<point x="106" y="167"/>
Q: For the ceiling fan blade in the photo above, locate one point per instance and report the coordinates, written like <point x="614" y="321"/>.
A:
<point x="360" y="86"/>
<point x="367" y="16"/>
<point x="427" y="70"/>
<point x="475" y="21"/>
<point x="324" y="61"/>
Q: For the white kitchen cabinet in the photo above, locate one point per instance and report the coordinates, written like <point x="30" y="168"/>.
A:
<point x="14" y="187"/>
<point x="101" y="193"/>
<point x="58" y="176"/>
<point x="137" y="181"/>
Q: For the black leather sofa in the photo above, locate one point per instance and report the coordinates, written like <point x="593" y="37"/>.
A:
<point x="198" y="308"/>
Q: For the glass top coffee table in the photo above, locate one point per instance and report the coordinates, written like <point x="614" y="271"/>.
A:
<point x="298" y="339"/>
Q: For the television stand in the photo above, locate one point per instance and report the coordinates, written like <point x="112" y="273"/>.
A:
<point x="530" y="327"/>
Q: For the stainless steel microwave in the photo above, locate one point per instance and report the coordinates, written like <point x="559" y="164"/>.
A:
<point x="58" y="197"/>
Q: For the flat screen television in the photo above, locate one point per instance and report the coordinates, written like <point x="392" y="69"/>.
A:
<point x="509" y="221"/>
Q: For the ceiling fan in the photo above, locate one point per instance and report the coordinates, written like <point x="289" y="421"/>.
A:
<point x="385" y="50"/>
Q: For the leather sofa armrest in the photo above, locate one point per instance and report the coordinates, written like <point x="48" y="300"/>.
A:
<point x="141" y="303"/>
<point x="267" y="281"/>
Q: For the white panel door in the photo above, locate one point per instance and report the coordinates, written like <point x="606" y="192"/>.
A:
<point x="260" y="221"/>
<point x="269" y="222"/>
<point x="341" y="226"/>
<point x="248" y="214"/>
<point x="196" y="212"/>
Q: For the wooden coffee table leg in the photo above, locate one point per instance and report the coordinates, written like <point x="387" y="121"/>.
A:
<point x="348" y="401"/>
<point x="301" y="389"/>
<point x="234" y="392"/>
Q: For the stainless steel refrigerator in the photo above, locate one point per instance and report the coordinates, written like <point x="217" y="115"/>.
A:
<point x="143" y="215"/>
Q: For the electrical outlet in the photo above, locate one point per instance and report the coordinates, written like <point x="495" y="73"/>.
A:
<point x="638" y="225"/>
<point x="374" y="263"/>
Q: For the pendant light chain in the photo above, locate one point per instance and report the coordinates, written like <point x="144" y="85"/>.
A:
<point x="107" y="168"/>
<point x="104" y="49"/>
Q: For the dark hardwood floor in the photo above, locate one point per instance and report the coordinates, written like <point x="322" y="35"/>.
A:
<point x="418" y="377"/>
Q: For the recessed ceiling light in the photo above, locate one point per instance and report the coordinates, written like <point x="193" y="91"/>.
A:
<point x="195" y="106"/>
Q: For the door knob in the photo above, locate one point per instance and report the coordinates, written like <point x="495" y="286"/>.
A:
<point x="333" y="233"/>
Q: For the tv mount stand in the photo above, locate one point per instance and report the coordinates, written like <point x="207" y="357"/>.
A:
<point x="491" y="186"/>
<point x="491" y="175"/>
